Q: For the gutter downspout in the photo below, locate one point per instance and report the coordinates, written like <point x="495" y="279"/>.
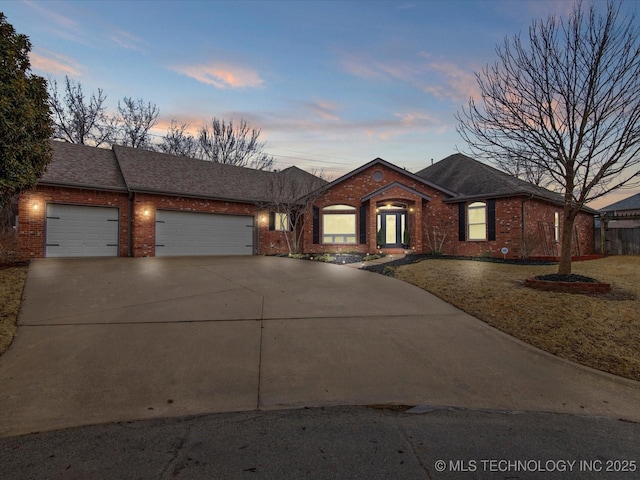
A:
<point x="524" y="226"/>
<point x="257" y="226"/>
<point x="130" y="220"/>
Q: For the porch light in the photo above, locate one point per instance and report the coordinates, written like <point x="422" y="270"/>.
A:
<point x="146" y="212"/>
<point x="35" y="206"/>
<point x="411" y="209"/>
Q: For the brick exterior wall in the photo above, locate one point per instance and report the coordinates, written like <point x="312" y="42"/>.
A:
<point x="144" y="225"/>
<point x="432" y="224"/>
<point x="32" y="222"/>
<point x="350" y="191"/>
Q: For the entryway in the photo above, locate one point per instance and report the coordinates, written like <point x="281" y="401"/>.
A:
<point x="392" y="226"/>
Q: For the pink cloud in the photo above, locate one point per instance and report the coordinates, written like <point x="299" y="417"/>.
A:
<point x="454" y="82"/>
<point x="451" y="81"/>
<point x="324" y="109"/>
<point x="55" y="64"/>
<point x="368" y="68"/>
<point x="126" y="40"/>
<point x="222" y="75"/>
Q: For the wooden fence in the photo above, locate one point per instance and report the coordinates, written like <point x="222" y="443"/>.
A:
<point x="618" y="241"/>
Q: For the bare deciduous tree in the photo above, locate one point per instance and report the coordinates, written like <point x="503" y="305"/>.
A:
<point x="525" y="170"/>
<point x="178" y="141"/>
<point x="135" y="118"/>
<point x="567" y="99"/>
<point x="231" y="144"/>
<point x="78" y="119"/>
<point x="292" y="193"/>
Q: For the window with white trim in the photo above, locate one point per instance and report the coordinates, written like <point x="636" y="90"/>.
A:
<point x="477" y="221"/>
<point x="339" y="224"/>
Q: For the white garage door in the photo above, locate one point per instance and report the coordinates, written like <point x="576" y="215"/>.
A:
<point x="75" y="231"/>
<point x="187" y="233"/>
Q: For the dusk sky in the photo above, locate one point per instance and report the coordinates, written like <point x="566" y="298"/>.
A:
<point x="331" y="84"/>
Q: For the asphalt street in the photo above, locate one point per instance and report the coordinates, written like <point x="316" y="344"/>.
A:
<point x="334" y="443"/>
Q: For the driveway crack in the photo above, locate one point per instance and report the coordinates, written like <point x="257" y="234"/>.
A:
<point x="260" y="354"/>
<point x="175" y="454"/>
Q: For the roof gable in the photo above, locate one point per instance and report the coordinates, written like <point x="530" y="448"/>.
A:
<point x="393" y="185"/>
<point x="391" y="166"/>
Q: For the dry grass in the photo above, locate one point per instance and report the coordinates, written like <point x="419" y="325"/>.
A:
<point x="11" y="286"/>
<point x="602" y="332"/>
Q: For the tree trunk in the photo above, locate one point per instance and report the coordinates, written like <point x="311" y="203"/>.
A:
<point x="566" y="241"/>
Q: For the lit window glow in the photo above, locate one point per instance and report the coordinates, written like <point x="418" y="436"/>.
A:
<point x="477" y="222"/>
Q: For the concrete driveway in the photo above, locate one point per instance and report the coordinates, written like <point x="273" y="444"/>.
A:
<point x="104" y="340"/>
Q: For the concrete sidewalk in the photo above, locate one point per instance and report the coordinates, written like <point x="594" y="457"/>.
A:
<point x="107" y="340"/>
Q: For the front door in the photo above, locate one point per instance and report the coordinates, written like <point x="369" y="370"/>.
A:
<point x="391" y="229"/>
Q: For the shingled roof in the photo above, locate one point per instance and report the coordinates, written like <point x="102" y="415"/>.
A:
<point x="473" y="179"/>
<point x="83" y="167"/>
<point x="129" y="169"/>
<point x="153" y="172"/>
<point x="629" y="203"/>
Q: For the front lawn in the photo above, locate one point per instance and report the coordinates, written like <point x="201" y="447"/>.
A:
<point x="601" y="331"/>
<point x="11" y="285"/>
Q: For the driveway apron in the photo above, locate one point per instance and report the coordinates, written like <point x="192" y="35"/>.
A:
<point x="120" y="339"/>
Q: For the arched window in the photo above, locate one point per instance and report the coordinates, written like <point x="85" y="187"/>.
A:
<point x="477" y="221"/>
<point x="339" y="224"/>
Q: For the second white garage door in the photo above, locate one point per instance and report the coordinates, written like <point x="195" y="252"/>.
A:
<point x="187" y="233"/>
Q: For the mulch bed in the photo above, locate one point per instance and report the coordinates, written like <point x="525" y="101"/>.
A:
<point x="5" y="265"/>
<point x="556" y="277"/>
<point x="408" y="259"/>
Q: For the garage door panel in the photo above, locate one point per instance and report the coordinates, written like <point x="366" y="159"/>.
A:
<point x="189" y="233"/>
<point x="81" y="231"/>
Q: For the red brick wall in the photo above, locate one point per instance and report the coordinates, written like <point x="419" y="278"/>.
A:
<point x="31" y="222"/>
<point x="144" y="225"/>
<point x="508" y="232"/>
<point x="433" y="225"/>
<point x="537" y="211"/>
<point x="353" y="189"/>
<point x="272" y="242"/>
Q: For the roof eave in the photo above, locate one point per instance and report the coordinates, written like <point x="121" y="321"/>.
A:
<point x="82" y="186"/>
<point x="466" y="198"/>
<point x="152" y="191"/>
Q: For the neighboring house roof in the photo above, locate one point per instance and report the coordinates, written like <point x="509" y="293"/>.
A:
<point x="83" y="167"/>
<point x="629" y="203"/>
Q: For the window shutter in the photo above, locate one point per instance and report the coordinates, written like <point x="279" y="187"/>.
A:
<point x="316" y="225"/>
<point x="272" y="220"/>
<point x="292" y="221"/>
<point x="462" y="222"/>
<point x="491" y="219"/>
<point x="363" y="224"/>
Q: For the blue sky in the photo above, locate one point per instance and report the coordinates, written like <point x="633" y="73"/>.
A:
<point x="332" y="84"/>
